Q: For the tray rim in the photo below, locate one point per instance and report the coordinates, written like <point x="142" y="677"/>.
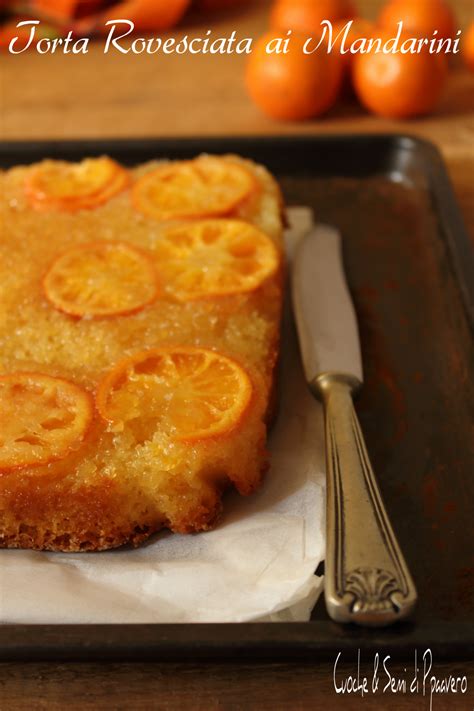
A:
<point x="261" y="640"/>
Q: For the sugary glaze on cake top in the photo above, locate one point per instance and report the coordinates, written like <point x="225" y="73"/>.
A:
<point x="158" y="376"/>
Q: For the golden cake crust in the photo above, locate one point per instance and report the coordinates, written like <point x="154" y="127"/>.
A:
<point x="120" y="487"/>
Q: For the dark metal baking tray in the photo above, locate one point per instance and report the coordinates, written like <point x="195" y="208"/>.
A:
<point x="410" y="267"/>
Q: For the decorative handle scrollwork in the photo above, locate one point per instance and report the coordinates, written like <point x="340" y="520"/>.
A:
<point x="366" y="578"/>
<point x="374" y="590"/>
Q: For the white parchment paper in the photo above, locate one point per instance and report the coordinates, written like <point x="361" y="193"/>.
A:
<point x="259" y="562"/>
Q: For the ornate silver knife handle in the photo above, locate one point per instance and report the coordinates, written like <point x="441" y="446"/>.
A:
<point x="366" y="578"/>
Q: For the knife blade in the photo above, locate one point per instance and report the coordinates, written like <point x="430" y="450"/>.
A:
<point x="318" y="277"/>
<point x="367" y="580"/>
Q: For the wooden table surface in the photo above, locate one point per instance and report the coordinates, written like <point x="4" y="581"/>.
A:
<point x="97" y="95"/>
<point x="94" y="95"/>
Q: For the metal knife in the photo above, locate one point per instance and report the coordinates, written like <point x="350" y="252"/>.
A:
<point x="366" y="578"/>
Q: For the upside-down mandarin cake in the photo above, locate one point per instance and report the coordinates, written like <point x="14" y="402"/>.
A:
<point x="139" y="330"/>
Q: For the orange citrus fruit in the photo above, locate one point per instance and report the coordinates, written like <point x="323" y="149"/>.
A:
<point x="419" y="17"/>
<point x="59" y="185"/>
<point x="218" y="5"/>
<point x="305" y="16"/>
<point x="293" y="86"/>
<point x="63" y="11"/>
<point x="147" y="15"/>
<point x="101" y="279"/>
<point x="215" y="258"/>
<point x="359" y="29"/>
<point x="399" y="85"/>
<point x="42" y="419"/>
<point x="189" y="393"/>
<point x="204" y="187"/>
<point x="10" y="31"/>
<point x="468" y="47"/>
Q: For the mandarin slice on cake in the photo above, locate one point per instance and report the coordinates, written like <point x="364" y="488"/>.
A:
<point x="41" y="419"/>
<point x="204" y="187"/>
<point x="191" y="393"/>
<point x="59" y="185"/>
<point x="215" y="258"/>
<point x="101" y="279"/>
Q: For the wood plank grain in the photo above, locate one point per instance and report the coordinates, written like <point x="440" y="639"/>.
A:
<point x="207" y="687"/>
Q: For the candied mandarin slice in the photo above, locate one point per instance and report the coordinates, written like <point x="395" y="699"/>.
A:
<point x="189" y="393"/>
<point x="42" y="419"/>
<point x="59" y="185"/>
<point x="205" y="187"/>
<point x="101" y="279"/>
<point x="215" y="258"/>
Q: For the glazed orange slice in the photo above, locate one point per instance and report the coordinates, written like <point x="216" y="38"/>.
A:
<point x="205" y="187"/>
<point x="215" y="258"/>
<point x="189" y="393"/>
<point x="60" y="185"/>
<point x="42" y="419"/>
<point x="101" y="279"/>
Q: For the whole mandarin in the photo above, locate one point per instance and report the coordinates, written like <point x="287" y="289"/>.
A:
<point x="293" y="86"/>
<point x="419" y="17"/>
<point x="148" y="15"/>
<point x="359" y="29"/>
<point x="305" y="16"/>
<point x="468" y="47"/>
<point x="399" y="85"/>
<point x="218" y="5"/>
